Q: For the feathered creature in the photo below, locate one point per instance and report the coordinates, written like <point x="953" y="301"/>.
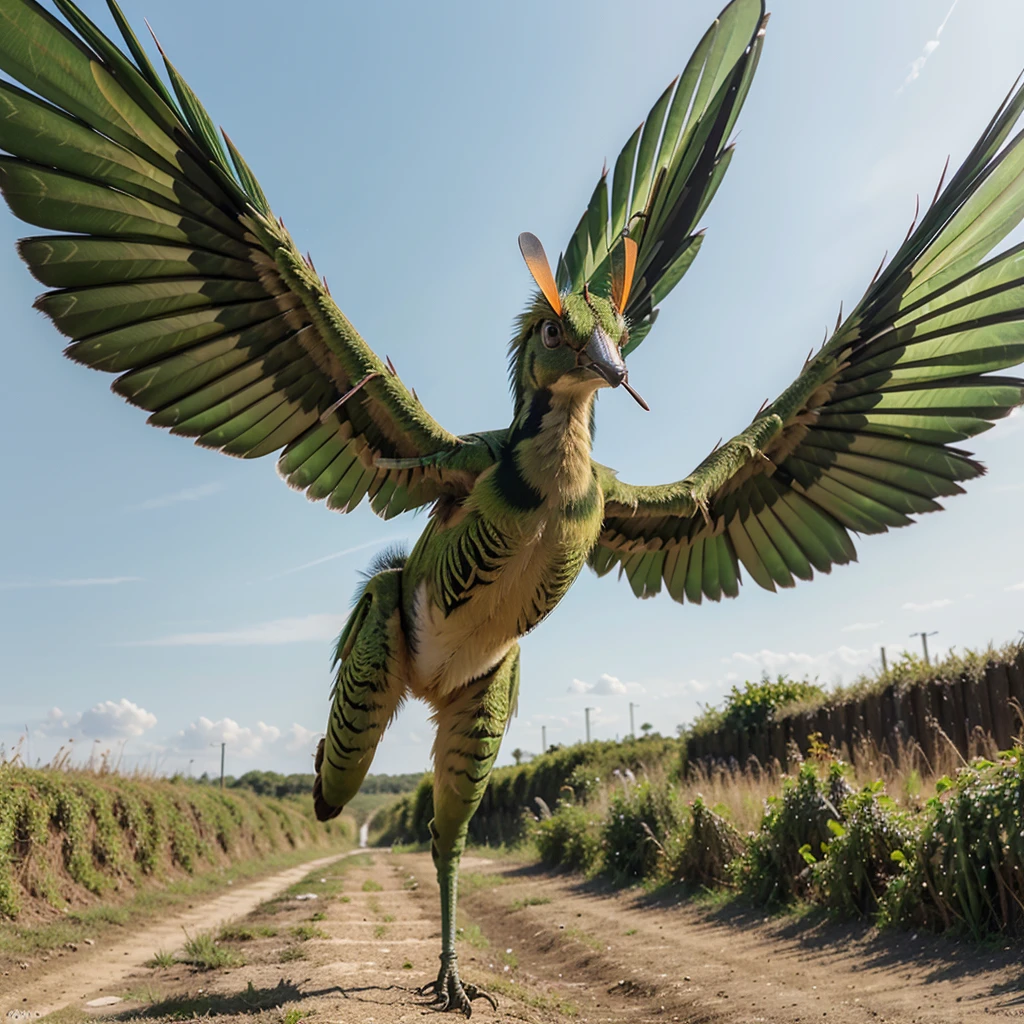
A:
<point x="168" y="269"/>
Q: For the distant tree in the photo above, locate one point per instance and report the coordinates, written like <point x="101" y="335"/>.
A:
<point x="517" y="755"/>
<point x="646" y="728"/>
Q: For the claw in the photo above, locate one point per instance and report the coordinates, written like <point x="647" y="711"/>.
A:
<point x="448" y="992"/>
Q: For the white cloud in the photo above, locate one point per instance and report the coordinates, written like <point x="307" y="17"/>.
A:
<point x="799" y="663"/>
<point x="917" y="66"/>
<point x="605" y="686"/>
<point x="299" y="738"/>
<point x="88" y="581"/>
<point x="858" y="627"/>
<point x="927" y="606"/>
<point x="1015" y="586"/>
<point x="187" y="494"/>
<point x="241" y="740"/>
<point x="277" y="631"/>
<point x="111" y="719"/>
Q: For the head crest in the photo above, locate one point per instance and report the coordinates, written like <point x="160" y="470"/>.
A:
<point x="537" y="264"/>
<point x="623" y="268"/>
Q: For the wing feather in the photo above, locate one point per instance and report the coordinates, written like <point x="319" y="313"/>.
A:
<point x="862" y="441"/>
<point x="169" y="270"/>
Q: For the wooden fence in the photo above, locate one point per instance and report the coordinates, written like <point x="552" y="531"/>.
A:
<point x="887" y="722"/>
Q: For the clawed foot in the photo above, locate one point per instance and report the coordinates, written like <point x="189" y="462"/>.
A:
<point x="449" y="992"/>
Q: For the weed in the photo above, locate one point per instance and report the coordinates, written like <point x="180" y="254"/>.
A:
<point x="472" y="936"/>
<point x="305" y="932"/>
<point x="529" y="901"/>
<point x="291" y="953"/>
<point x="370" y="885"/>
<point x="407" y="966"/>
<point x="201" y="950"/>
<point x="380" y="931"/>
<point x="162" y="958"/>
<point x="245" y="933"/>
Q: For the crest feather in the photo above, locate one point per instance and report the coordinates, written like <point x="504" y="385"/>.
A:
<point x="537" y="263"/>
<point x="623" y="268"/>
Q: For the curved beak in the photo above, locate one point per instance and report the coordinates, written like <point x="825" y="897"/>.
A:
<point x="602" y="356"/>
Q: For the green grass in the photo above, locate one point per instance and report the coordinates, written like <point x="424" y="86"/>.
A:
<point x="529" y="901"/>
<point x="245" y="933"/>
<point x="372" y="886"/>
<point x="504" y="987"/>
<point x="472" y="936"/>
<point x="407" y="966"/>
<point x="305" y="932"/>
<point x="201" y="950"/>
<point x="162" y="958"/>
<point x="291" y="953"/>
<point x="142" y="906"/>
<point x="380" y="931"/>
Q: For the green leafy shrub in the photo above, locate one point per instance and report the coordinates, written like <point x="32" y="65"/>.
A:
<point x="967" y="869"/>
<point x="706" y="850"/>
<point x="570" y="837"/>
<point x="641" y="819"/>
<point x="793" y="834"/>
<point x="755" y="705"/>
<point x="865" y="854"/>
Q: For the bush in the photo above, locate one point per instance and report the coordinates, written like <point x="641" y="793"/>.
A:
<point x="641" y="819"/>
<point x="793" y="833"/>
<point x="967" y="869"/>
<point x="864" y="855"/>
<point x="755" y="705"/>
<point x="707" y="849"/>
<point x="570" y="837"/>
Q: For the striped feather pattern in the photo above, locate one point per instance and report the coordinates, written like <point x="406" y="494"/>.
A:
<point x="864" y="439"/>
<point x="168" y="269"/>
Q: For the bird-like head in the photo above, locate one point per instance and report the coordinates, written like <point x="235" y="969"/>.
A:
<point x="571" y="342"/>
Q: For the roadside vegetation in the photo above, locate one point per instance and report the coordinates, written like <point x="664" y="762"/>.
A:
<point x="898" y="839"/>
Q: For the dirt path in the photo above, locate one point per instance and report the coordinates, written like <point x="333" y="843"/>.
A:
<point x="553" y="950"/>
<point x="99" y="972"/>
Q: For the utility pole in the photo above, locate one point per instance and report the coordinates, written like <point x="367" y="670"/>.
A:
<point x="543" y="739"/>
<point x="885" y="665"/>
<point x="924" y="643"/>
<point x="222" y="746"/>
<point x="632" y="731"/>
<point x="586" y="712"/>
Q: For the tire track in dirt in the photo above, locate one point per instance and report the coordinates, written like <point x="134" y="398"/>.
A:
<point x="554" y="949"/>
<point x="100" y="971"/>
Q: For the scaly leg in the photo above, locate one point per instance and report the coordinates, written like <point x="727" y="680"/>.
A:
<point x="367" y="692"/>
<point x="470" y="727"/>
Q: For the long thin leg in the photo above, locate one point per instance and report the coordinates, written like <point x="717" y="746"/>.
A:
<point x="368" y="690"/>
<point x="470" y="727"/>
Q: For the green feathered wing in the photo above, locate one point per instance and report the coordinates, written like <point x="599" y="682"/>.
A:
<point x="863" y="439"/>
<point x="170" y="271"/>
<point x="668" y="172"/>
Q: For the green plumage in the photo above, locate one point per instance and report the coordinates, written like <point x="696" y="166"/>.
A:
<point x="167" y="268"/>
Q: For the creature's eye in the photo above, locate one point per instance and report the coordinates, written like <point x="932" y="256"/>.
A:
<point x="551" y="334"/>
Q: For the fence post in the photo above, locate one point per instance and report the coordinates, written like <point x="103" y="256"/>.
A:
<point x="999" y="698"/>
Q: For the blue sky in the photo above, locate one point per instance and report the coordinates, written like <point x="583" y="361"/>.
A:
<point x="161" y="598"/>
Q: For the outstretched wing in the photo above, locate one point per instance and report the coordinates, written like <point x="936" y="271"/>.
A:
<point x="172" y="272"/>
<point x="669" y="171"/>
<point x="862" y="440"/>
